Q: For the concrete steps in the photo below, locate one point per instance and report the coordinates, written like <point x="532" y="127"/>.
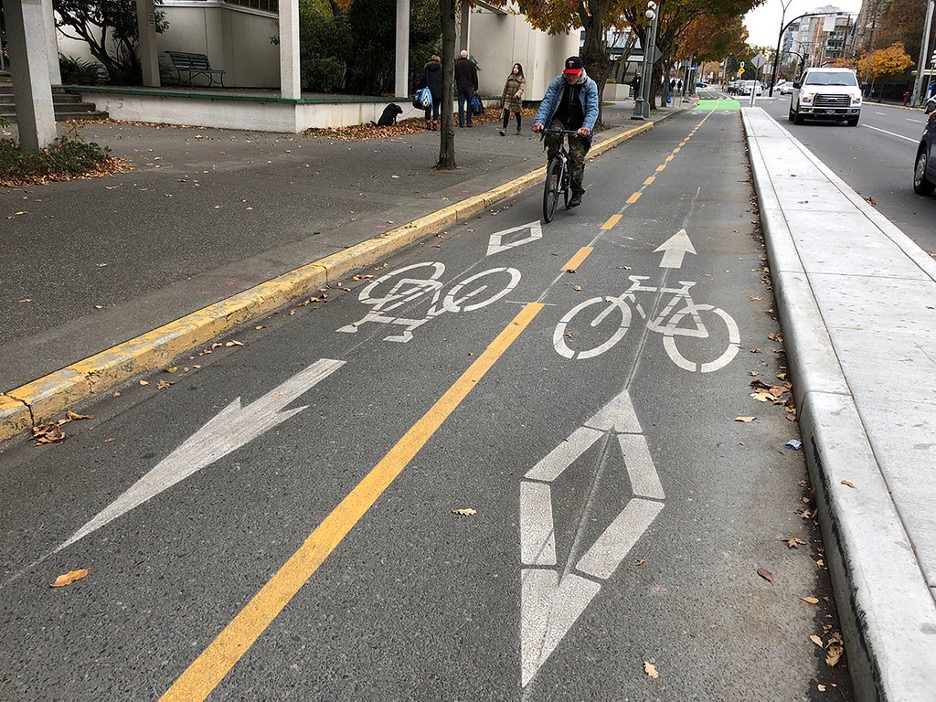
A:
<point x="67" y="105"/>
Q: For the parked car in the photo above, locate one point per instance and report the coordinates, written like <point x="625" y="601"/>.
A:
<point x="826" y="93"/>
<point x="786" y="88"/>
<point x="746" y="86"/>
<point x="924" y="167"/>
<point x="701" y="84"/>
<point x="930" y="104"/>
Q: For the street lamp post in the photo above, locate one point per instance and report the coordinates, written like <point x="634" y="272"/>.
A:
<point x="641" y="104"/>
<point x="924" y="50"/>
<point x="776" y="67"/>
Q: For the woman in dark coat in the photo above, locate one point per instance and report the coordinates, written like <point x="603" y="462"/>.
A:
<point x="432" y="79"/>
<point x="511" y="100"/>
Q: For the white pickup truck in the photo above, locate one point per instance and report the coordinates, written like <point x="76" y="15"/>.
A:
<point x="826" y="93"/>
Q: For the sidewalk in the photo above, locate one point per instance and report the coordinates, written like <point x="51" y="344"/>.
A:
<point x="105" y="279"/>
<point x="857" y="303"/>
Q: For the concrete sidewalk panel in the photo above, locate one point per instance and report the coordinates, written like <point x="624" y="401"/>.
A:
<point x="829" y="307"/>
<point x="890" y="620"/>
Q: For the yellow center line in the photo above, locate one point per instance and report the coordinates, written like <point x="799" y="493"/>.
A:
<point x="216" y="661"/>
<point x="577" y="259"/>
<point x="634" y="198"/>
<point x="649" y="180"/>
<point x="612" y="220"/>
<point x="661" y="167"/>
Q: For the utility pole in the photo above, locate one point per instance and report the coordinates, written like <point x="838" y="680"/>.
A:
<point x="924" y="52"/>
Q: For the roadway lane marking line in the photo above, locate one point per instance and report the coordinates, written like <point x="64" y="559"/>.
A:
<point x="649" y="180"/>
<point x="612" y="220"/>
<point x="661" y="167"/>
<point x="216" y="661"/>
<point x="577" y="259"/>
<point x="634" y="198"/>
<point x="884" y="131"/>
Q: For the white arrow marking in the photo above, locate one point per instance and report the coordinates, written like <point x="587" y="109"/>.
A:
<point x="233" y="427"/>
<point x="606" y="554"/>
<point x="495" y="245"/>
<point x="674" y="249"/>
<point x="550" y="608"/>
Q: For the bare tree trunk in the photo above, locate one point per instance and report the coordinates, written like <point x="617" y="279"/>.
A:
<point x="594" y="50"/>
<point x="447" y="132"/>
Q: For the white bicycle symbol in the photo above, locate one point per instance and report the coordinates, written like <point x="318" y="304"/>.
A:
<point x="390" y="292"/>
<point x="680" y="307"/>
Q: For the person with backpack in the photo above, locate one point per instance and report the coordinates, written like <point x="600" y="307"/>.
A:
<point x="466" y="82"/>
<point x="511" y="99"/>
<point x="432" y="79"/>
<point x="571" y="102"/>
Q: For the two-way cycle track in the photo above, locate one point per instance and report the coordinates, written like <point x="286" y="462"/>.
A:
<point x="563" y="566"/>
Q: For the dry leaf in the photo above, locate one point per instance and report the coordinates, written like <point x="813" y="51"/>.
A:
<point x="810" y="600"/>
<point x="848" y="483"/>
<point x="69" y="578"/>
<point x="144" y="382"/>
<point x="651" y="670"/>
<point x="745" y="419"/>
<point x="834" y="653"/>
<point x="465" y="511"/>
<point x="765" y="574"/>
<point x="821" y="687"/>
<point x="577" y="288"/>
<point x="793" y="542"/>
<point x="816" y="640"/>
<point x="234" y="342"/>
<point x="762" y="396"/>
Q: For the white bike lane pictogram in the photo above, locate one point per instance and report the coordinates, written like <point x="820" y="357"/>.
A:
<point x="390" y="296"/>
<point x="680" y="317"/>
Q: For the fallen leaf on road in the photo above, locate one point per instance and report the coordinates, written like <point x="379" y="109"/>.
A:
<point x="651" y="670"/>
<point x="465" y="511"/>
<point x="745" y="419"/>
<point x="816" y="640"/>
<point x="833" y="654"/>
<point x="793" y="542"/>
<point x="69" y="578"/>
<point x="234" y="342"/>
<point x="144" y="382"/>
<point x="849" y="483"/>
<point x="765" y="574"/>
<point x="810" y="600"/>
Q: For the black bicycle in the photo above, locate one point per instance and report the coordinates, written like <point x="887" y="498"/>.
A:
<point x="558" y="175"/>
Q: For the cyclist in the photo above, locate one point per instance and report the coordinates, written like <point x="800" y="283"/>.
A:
<point x="571" y="102"/>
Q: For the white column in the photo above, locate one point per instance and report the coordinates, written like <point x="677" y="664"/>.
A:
<point x="463" y="40"/>
<point x="401" y="86"/>
<point x="32" y="89"/>
<point x="290" y="84"/>
<point x="149" y="51"/>
<point x="48" y="16"/>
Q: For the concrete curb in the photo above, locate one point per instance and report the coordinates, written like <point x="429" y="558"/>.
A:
<point x="888" y="614"/>
<point x="43" y="399"/>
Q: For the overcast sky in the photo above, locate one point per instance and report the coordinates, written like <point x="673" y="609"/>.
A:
<point x="763" y="23"/>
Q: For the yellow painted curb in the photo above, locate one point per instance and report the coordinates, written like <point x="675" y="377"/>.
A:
<point x="14" y="418"/>
<point x="45" y="398"/>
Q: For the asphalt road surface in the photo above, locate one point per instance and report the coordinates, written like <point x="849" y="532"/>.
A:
<point x="518" y="461"/>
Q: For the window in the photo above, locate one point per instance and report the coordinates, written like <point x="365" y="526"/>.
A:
<point x="265" y="5"/>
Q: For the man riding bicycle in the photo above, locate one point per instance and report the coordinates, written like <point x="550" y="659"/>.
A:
<point x="571" y="102"/>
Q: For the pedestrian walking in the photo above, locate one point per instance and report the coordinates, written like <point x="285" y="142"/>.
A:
<point x="511" y="99"/>
<point x="466" y="83"/>
<point x="432" y="79"/>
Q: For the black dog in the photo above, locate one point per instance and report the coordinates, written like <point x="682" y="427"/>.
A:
<point x="388" y="118"/>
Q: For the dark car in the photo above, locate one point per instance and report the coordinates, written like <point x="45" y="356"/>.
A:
<point x="924" y="168"/>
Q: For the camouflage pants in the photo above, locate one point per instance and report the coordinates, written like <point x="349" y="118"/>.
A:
<point x="578" y="148"/>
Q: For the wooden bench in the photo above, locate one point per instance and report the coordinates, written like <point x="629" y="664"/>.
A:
<point x="194" y="65"/>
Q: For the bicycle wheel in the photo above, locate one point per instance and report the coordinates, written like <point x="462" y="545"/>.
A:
<point x="618" y="327"/>
<point x="390" y="290"/>
<point x="552" y="187"/>
<point x="707" y="339"/>
<point x="455" y="300"/>
<point x="566" y="183"/>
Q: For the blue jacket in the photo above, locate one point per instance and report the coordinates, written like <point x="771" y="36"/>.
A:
<point x="588" y="96"/>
